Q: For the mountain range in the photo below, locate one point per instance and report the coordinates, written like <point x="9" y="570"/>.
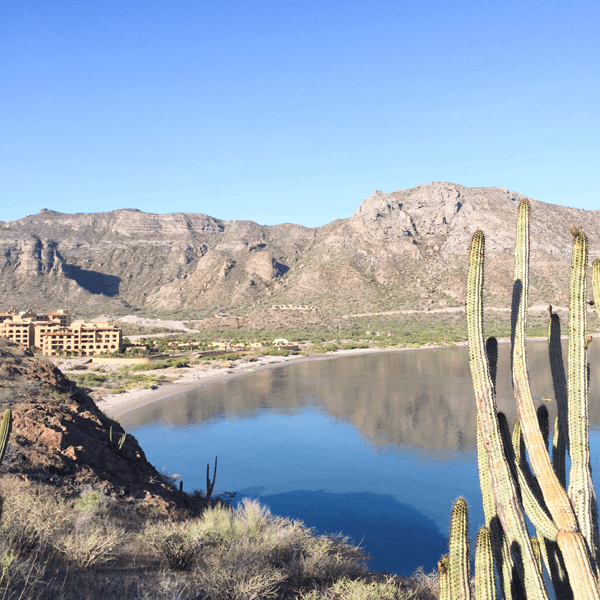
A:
<point x="406" y="250"/>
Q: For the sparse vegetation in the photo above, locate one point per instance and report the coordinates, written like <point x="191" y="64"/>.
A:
<point x="90" y="545"/>
<point x="132" y="329"/>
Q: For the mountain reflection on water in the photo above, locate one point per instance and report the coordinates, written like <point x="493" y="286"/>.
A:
<point x="375" y="445"/>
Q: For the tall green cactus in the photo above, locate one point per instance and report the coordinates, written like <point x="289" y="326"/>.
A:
<point x="566" y="523"/>
<point x="504" y="487"/>
<point x="596" y="284"/>
<point x="581" y="490"/>
<point x="485" y="584"/>
<point x="458" y="557"/>
<point x="5" y="432"/>
<point x="444" y="578"/>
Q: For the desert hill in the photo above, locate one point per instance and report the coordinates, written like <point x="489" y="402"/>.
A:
<point x="60" y="438"/>
<point x="403" y="250"/>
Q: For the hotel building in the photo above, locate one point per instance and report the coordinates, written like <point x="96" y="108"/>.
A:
<point x="54" y="333"/>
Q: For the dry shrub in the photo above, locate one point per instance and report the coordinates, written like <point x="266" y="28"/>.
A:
<point x="249" y="553"/>
<point x="426" y="585"/>
<point x="32" y="508"/>
<point x="166" y="586"/>
<point x="173" y="542"/>
<point x="326" y="559"/>
<point x="238" y="571"/>
<point x="22" y="579"/>
<point x="178" y="551"/>
<point x="91" y="542"/>
<point x="420" y="586"/>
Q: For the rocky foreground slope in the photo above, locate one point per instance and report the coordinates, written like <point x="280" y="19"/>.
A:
<point x="59" y="437"/>
<point x="407" y="249"/>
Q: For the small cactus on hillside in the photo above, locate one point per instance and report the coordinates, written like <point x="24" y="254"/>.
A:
<point x="210" y="486"/>
<point x="5" y="432"/>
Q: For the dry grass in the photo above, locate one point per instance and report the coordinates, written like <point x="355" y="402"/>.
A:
<point x="88" y="546"/>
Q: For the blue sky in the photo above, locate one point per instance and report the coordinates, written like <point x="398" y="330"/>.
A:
<point x="293" y="111"/>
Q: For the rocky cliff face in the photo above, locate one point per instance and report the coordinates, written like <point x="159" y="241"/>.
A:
<point x="407" y="249"/>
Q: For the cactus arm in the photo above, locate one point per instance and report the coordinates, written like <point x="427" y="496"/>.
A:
<point x="500" y="548"/>
<point x="537" y="552"/>
<point x="573" y="549"/>
<point x="531" y="495"/>
<point x="5" y="432"/>
<point x="485" y="585"/>
<point x="558" y="453"/>
<point x="555" y="496"/>
<point x="581" y="490"/>
<point x="504" y="489"/>
<point x="580" y="566"/>
<point x="458" y="558"/>
<point x="596" y="285"/>
<point x="485" y="482"/>
<point x="444" y="582"/>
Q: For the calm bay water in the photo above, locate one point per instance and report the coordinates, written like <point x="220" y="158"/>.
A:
<point x="375" y="446"/>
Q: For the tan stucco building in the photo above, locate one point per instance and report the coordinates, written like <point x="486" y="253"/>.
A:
<point x="54" y="333"/>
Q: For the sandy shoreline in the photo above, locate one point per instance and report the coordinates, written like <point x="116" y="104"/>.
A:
<point x="196" y="376"/>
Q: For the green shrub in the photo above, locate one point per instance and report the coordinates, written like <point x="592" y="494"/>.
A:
<point x="176" y="363"/>
<point x="354" y="345"/>
<point x="274" y="351"/>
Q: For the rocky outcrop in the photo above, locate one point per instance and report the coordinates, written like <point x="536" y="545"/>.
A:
<point x="402" y="250"/>
<point x="60" y="437"/>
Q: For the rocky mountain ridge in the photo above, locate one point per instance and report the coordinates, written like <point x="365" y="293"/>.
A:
<point x="403" y="250"/>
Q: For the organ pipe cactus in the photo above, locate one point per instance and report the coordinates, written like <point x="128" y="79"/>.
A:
<point x="444" y="578"/>
<point x="566" y="523"/>
<point x="596" y="284"/>
<point x="505" y="496"/>
<point x="485" y="584"/>
<point x="458" y="558"/>
<point x="5" y="432"/>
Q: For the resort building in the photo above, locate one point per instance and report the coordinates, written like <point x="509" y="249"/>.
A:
<point x="54" y="333"/>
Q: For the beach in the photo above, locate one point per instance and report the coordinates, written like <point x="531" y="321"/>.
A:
<point x="199" y="376"/>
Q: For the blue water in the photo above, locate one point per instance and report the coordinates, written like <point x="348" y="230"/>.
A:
<point x="376" y="447"/>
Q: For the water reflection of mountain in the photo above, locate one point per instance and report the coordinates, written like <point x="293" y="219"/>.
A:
<point x="421" y="397"/>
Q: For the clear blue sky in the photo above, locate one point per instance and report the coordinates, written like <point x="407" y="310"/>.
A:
<point x="293" y="111"/>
